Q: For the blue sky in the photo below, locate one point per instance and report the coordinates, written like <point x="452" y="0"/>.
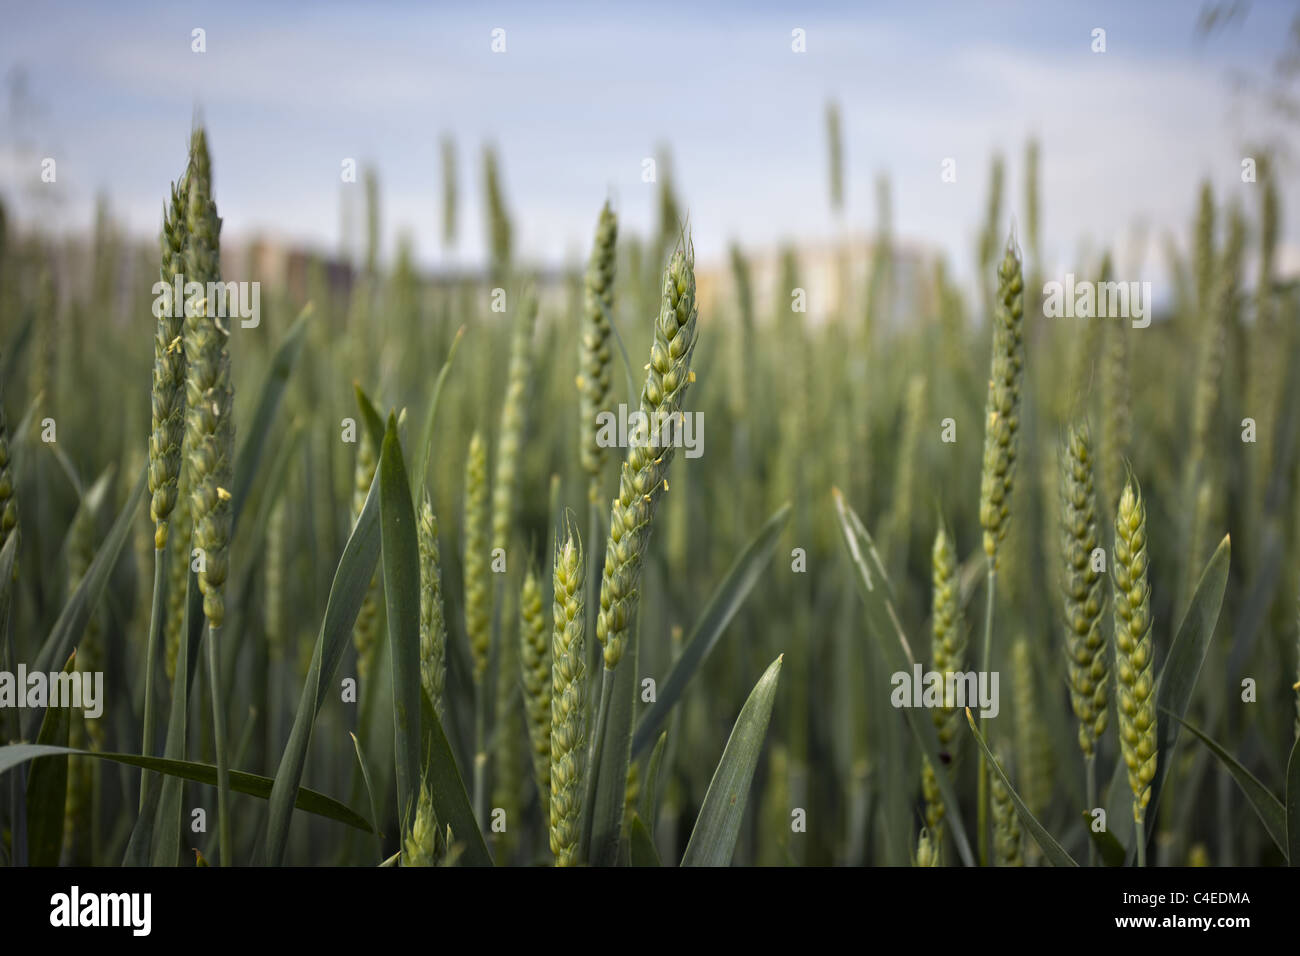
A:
<point x="585" y="91"/>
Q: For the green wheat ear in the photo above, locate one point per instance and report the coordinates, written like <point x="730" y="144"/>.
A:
<point x="1135" y="677"/>
<point x="168" y="394"/>
<point x="642" y="480"/>
<point x="209" y="395"/>
<point x="478" y="587"/>
<point x="568" y="700"/>
<point x="927" y="849"/>
<point x="948" y="652"/>
<point x="433" y="622"/>
<point x="535" y="665"/>
<point x="1002" y="409"/>
<point x="1088" y="666"/>
<point x="594" y="359"/>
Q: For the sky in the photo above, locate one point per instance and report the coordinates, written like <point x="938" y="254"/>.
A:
<point x="585" y="91"/>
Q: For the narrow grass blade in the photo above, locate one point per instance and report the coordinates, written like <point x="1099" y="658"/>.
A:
<point x="47" y="787"/>
<point x="713" y="841"/>
<point x="712" y="624"/>
<point x="882" y="617"/>
<point x="1267" y="807"/>
<point x="1174" y="689"/>
<point x="249" y="456"/>
<point x="1052" y="850"/>
<point x="72" y="622"/>
<point x="13" y="351"/>
<point x="351" y="580"/>
<point x="252" y="784"/>
<point x="1293" y="805"/>
<point x="425" y="449"/>
<point x="402" y="599"/>
<point x="370" y="794"/>
<point x="648" y="806"/>
<point x="372" y="420"/>
<point x="640" y="844"/>
<point x="1111" y="850"/>
<point x="447" y="789"/>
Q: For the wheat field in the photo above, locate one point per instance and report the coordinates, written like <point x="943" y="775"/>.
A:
<point x="928" y="573"/>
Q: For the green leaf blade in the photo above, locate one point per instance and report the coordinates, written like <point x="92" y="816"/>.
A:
<point x="712" y="624"/>
<point x="1052" y="850"/>
<point x="717" y="828"/>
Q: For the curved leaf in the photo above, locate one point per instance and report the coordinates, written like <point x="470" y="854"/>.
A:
<point x="249" y="456"/>
<point x="713" y="841"/>
<point x="1052" y="850"/>
<point x="882" y="617"/>
<point x="370" y="794"/>
<point x="425" y="449"/>
<point x="447" y="789"/>
<point x="252" y="784"/>
<point x="47" y="787"/>
<point x="1293" y="805"/>
<point x="1267" y="807"/>
<point x="1111" y="850"/>
<point x="649" y="803"/>
<point x="708" y="630"/>
<point x="351" y="581"/>
<point x="402" y="598"/>
<point x="641" y="846"/>
<point x="72" y="622"/>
